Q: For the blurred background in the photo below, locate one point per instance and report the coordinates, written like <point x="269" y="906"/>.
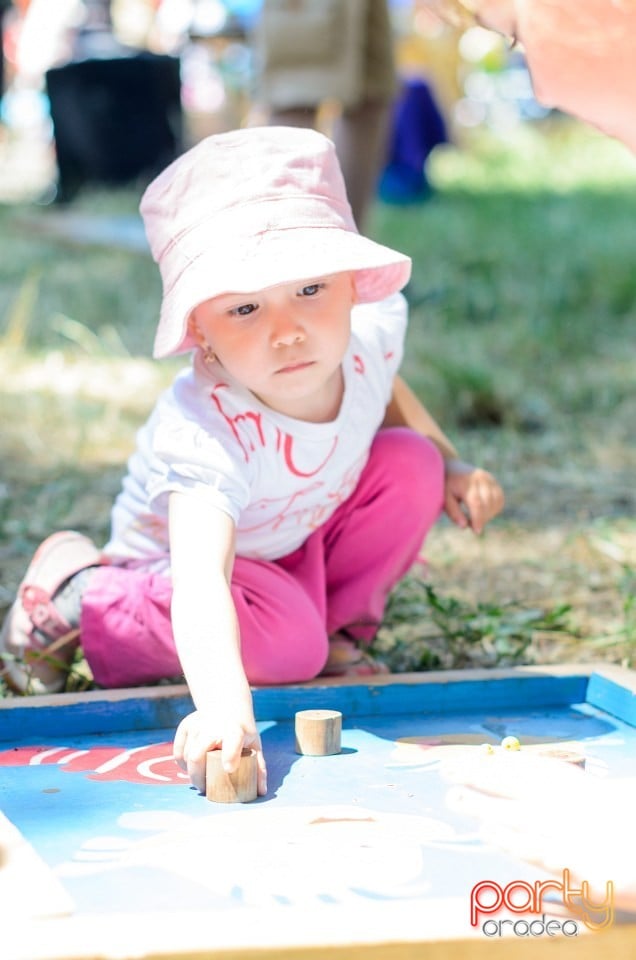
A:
<point x="54" y="86"/>
<point x="521" y="225"/>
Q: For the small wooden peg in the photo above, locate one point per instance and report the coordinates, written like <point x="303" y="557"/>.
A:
<point x="238" y="787"/>
<point x="318" y="732"/>
<point x="568" y="756"/>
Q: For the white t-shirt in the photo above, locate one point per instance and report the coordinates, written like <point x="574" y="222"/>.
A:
<point x="277" y="477"/>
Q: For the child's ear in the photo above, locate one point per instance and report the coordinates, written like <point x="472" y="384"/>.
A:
<point x="194" y="331"/>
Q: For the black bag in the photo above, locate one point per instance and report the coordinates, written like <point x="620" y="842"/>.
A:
<point x="114" y="120"/>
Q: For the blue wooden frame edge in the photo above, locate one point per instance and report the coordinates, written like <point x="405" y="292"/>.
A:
<point x="442" y="692"/>
<point x="615" y="696"/>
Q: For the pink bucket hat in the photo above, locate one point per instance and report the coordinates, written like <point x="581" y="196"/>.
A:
<point x="250" y="209"/>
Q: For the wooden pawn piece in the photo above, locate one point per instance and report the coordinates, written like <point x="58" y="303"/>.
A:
<point x="238" y="787"/>
<point x="318" y="732"/>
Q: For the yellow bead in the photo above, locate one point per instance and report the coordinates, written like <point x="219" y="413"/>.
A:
<point x="487" y="748"/>
<point x="510" y="743"/>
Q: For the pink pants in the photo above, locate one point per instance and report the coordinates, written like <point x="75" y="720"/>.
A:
<point x="340" y="577"/>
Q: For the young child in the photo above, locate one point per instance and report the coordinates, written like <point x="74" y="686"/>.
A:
<point x="287" y="479"/>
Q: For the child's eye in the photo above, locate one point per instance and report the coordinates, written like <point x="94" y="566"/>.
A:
<point x="243" y="310"/>
<point x="311" y="289"/>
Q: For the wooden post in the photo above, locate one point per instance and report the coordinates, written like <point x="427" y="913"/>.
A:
<point x="238" y="787"/>
<point x="318" y="732"/>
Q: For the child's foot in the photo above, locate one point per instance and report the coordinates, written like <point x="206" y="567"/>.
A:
<point x="38" y="642"/>
<point x="347" y="659"/>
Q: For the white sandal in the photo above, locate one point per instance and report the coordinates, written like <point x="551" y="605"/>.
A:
<point x="31" y="664"/>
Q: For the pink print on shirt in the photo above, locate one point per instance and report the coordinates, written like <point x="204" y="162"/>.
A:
<point x="250" y="416"/>
<point x="240" y="424"/>
<point x="277" y="510"/>
<point x="294" y="510"/>
<point x="288" y="443"/>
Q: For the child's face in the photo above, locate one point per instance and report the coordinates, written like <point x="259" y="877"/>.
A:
<point x="284" y="343"/>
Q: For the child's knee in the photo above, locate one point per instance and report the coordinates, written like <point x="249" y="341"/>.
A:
<point x="297" y="653"/>
<point x="283" y="635"/>
<point x="413" y="460"/>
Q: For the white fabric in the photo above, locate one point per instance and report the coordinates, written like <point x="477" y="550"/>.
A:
<point x="277" y="477"/>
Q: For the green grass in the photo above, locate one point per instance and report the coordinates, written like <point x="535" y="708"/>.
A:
<point x="521" y="342"/>
<point x="522" y="277"/>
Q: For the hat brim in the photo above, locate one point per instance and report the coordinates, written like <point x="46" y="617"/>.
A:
<point x="269" y="260"/>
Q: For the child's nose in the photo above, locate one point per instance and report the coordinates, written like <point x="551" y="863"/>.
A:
<point x="287" y="330"/>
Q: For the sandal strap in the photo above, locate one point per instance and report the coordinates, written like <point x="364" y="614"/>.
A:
<point x="44" y="614"/>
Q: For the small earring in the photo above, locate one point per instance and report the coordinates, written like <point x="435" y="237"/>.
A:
<point x="209" y="356"/>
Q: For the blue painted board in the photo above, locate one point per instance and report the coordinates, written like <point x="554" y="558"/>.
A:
<point x="102" y="711"/>
<point x="125" y="833"/>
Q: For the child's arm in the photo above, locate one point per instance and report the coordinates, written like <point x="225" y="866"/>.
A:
<point x="206" y="634"/>
<point x="472" y="496"/>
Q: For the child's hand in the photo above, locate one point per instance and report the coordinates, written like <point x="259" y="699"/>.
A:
<point x="472" y="496"/>
<point x="197" y="733"/>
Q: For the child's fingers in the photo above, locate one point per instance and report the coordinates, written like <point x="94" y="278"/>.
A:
<point x="231" y="756"/>
<point x="476" y="513"/>
<point x="484" y="500"/>
<point x="472" y="498"/>
<point x="233" y="743"/>
<point x="190" y="739"/>
<point x="472" y="511"/>
<point x="262" y="773"/>
<point x="454" y="510"/>
<point x="197" y="771"/>
<point x="491" y="497"/>
<point x="179" y="745"/>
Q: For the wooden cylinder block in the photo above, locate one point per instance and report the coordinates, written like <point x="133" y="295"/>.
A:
<point x="318" y="732"/>
<point x="568" y="756"/>
<point x="238" y="787"/>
